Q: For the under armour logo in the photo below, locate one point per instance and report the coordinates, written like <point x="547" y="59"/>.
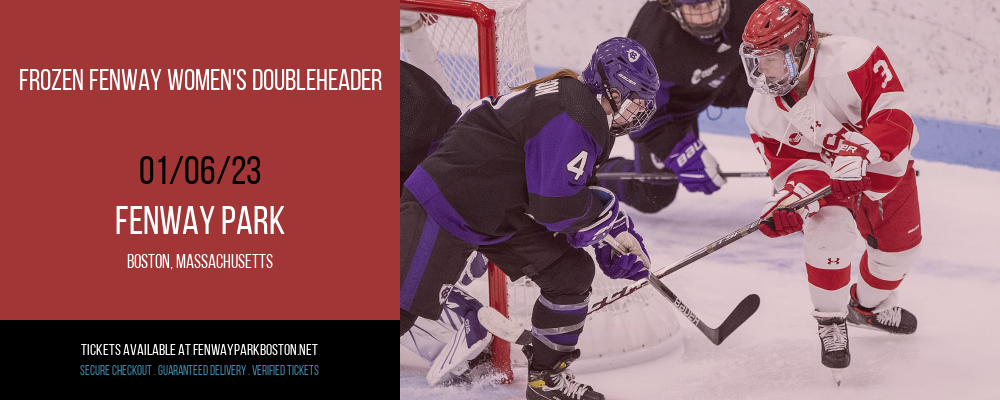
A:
<point x="830" y="261"/>
<point x="814" y="127"/>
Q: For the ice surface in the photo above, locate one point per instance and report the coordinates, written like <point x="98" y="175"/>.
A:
<point x="948" y="57"/>
<point x="954" y="290"/>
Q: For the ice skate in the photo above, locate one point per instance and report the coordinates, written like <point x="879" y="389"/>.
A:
<point x="835" y="352"/>
<point x="886" y="316"/>
<point x="557" y="383"/>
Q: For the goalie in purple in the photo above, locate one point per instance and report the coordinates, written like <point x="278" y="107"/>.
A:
<point x="425" y="114"/>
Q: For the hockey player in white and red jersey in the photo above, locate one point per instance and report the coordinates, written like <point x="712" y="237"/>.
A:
<point x="830" y="111"/>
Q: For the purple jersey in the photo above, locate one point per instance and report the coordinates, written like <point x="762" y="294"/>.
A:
<point x="693" y="71"/>
<point x="524" y="158"/>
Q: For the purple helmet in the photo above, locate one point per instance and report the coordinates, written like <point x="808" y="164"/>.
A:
<point x="701" y="18"/>
<point x="622" y="72"/>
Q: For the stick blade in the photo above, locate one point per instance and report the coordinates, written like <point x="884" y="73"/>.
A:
<point x="741" y="314"/>
<point x="502" y="327"/>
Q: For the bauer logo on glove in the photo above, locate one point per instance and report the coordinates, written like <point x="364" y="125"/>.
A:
<point x="848" y="175"/>
<point x="695" y="167"/>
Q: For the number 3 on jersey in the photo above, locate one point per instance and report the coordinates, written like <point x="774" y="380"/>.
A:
<point x="884" y="66"/>
<point x="578" y="165"/>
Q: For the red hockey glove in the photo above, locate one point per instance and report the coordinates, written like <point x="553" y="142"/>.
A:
<point x="786" y="222"/>
<point x="848" y="174"/>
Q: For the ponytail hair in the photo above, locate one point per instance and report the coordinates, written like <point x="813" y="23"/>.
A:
<point x="562" y="73"/>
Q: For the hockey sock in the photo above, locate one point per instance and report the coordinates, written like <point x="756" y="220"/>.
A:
<point x="556" y="328"/>
<point x="829" y="236"/>
<point x="881" y="273"/>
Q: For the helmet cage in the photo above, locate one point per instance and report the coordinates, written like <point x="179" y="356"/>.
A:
<point x="632" y="115"/>
<point x="769" y="54"/>
<point x="629" y="114"/>
<point x="718" y="13"/>
<point x="779" y="73"/>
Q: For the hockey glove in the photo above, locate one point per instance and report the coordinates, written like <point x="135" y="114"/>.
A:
<point x="628" y="264"/>
<point x="786" y="221"/>
<point x="596" y="231"/>
<point x="695" y="167"/>
<point x="848" y="174"/>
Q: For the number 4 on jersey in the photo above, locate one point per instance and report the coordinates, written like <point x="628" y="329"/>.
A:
<point x="578" y="165"/>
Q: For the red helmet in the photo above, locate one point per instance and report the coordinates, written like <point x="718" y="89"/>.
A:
<point x="778" y="32"/>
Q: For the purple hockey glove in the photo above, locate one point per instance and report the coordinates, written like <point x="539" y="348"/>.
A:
<point x="695" y="167"/>
<point x="596" y="231"/>
<point x="630" y="264"/>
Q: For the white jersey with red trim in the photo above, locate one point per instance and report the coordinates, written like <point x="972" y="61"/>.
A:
<point x="853" y="94"/>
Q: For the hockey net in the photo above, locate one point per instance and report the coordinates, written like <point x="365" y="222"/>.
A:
<point x="472" y="49"/>
<point x="481" y="49"/>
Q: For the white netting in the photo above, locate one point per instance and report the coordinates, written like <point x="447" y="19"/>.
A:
<point x="448" y="49"/>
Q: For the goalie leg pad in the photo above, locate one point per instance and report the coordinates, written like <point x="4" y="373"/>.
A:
<point x="475" y="267"/>
<point x="470" y="338"/>
<point x="426" y="338"/>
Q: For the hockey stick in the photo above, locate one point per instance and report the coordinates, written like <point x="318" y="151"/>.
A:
<point x="704" y="251"/>
<point x="668" y="176"/>
<point x="512" y="332"/>
<point x="502" y="327"/>
<point x="743" y="311"/>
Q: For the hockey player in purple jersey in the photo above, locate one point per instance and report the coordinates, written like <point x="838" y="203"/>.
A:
<point x="513" y="179"/>
<point x="693" y="44"/>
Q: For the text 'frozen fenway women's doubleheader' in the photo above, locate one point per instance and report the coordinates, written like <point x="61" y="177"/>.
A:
<point x="202" y="79"/>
